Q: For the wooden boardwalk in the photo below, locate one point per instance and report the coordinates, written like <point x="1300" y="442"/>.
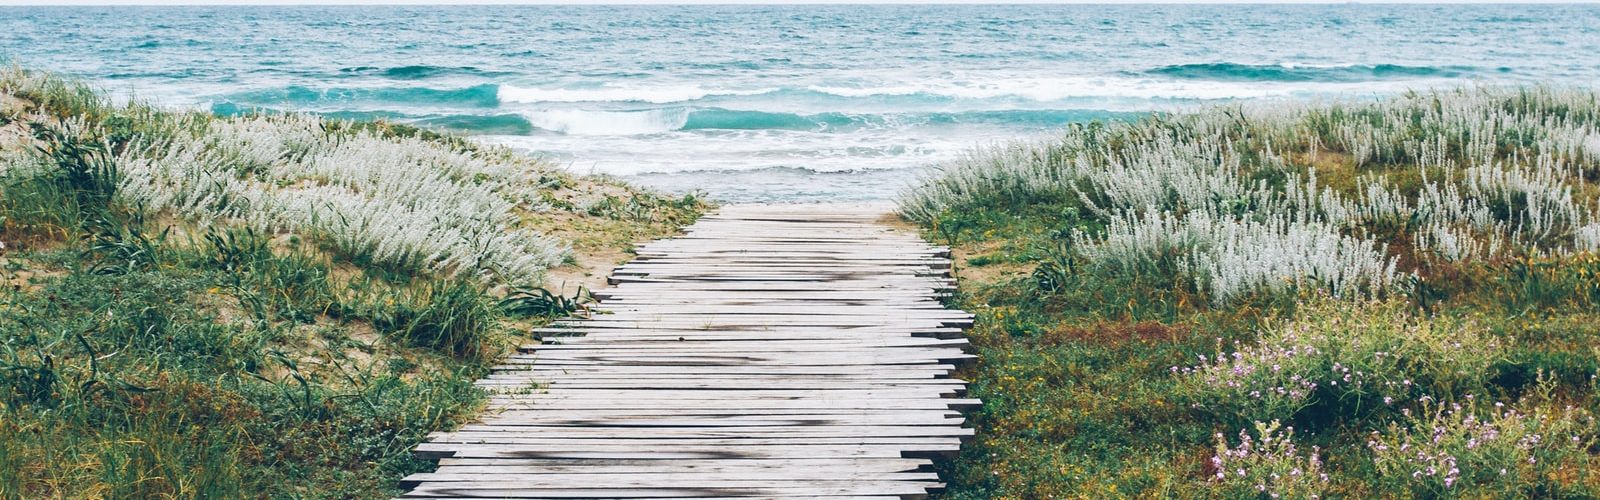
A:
<point x="772" y="351"/>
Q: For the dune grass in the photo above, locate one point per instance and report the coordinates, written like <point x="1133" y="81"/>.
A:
<point x="261" y="306"/>
<point x="1390" y="298"/>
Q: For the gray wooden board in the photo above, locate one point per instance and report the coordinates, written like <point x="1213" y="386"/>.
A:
<point x="771" y="351"/>
<point x="558" y="392"/>
<point x="755" y="342"/>
<point x="710" y="322"/>
<point x="789" y="388"/>
<point x="596" y="346"/>
<point x="779" y="332"/>
<point x="535" y="414"/>
<point x="814" y="404"/>
<point x="714" y="371"/>
<point x="600" y="347"/>
<point x="778" y="310"/>
<point x="905" y="464"/>
<point x="511" y="422"/>
<point x="509" y="489"/>
<point x="547" y="382"/>
<point x="531" y="361"/>
<point x="780" y="339"/>
<point x="527" y="478"/>
<point x="913" y="443"/>
<point x="729" y="432"/>
<point x="587" y="450"/>
<point x="752" y="359"/>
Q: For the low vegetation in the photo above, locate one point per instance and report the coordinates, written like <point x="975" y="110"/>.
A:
<point x="1393" y="298"/>
<point x="265" y="306"/>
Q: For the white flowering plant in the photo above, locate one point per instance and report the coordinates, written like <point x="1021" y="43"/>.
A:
<point x="402" y="202"/>
<point x="1349" y="197"/>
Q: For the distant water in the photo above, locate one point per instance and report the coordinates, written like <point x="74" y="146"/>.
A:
<point x="786" y="102"/>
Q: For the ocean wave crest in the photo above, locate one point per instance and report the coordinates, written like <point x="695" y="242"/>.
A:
<point x="1289" y="72"/>
<point x="588" y="122"/>
<point x="477" y="96"/>
<point x="1183" y="84"/>
<point x="419" y="72"/>
<point x="653" y="95"/>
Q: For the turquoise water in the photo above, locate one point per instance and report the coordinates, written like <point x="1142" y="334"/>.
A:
<point x="786" y="102"/>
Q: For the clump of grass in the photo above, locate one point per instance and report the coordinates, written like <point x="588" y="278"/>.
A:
<point x="58" y="186"/>
<point x="55" y="95"/>
<point x="274" y="285"/>
<point x="540" y="302"/>
<point x="452" y="316"/>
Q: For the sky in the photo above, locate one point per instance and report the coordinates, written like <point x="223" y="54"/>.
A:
<point x="568" y="2"/>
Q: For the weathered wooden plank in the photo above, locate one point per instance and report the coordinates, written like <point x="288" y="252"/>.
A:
<point x="708" y="322"/>
<point x="782" y="381"/>
<point x="682" y="451"/>
<point x="714" y="371"/>
<point x="525" y="477"/>
<point x="689" y="384"/>
<point x="729" y="432"/>
<point x="749" y="488"/>
<point x="928" y="403"/>
<point x="559" y="393"/>
<point x="929" y="444"/>
<point x="749" y="342"/>
<point x="660" y="345"/>
<point x="626" y="465"/>
<point x="512" y="420"/>
<point x="787" y="332"/>
<point x="752" y="359"/>
<point x="898" y="375"/>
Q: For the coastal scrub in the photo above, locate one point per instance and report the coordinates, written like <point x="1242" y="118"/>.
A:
<point x="1404" y="282"/>
<point x="273" y="306"/>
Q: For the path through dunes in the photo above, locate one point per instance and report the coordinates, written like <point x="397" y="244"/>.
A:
<point x="772" y="351"/>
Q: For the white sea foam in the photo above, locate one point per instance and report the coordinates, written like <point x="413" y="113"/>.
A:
<point x="657" y="95"/>
<point x="1072" y="88"/>
<point x="700" y="150"/>
<point x="977" y="87"/>
<point x="588" y="122"/>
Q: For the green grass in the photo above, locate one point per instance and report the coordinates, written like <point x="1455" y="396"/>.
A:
<point x="150" y="354"/>
<point x="1112" y="373"/>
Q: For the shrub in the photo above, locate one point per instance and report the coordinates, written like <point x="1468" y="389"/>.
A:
<point x="1338" y="361"/>
<point x="1497" y="451"/>
<point x="1228" y="259"/>
<point x="1268" y="464"/>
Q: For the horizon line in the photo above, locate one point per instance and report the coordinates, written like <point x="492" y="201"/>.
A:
<point x="669" y="3"/>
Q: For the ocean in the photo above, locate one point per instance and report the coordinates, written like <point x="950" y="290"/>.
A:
<point x="774" y="103"/>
